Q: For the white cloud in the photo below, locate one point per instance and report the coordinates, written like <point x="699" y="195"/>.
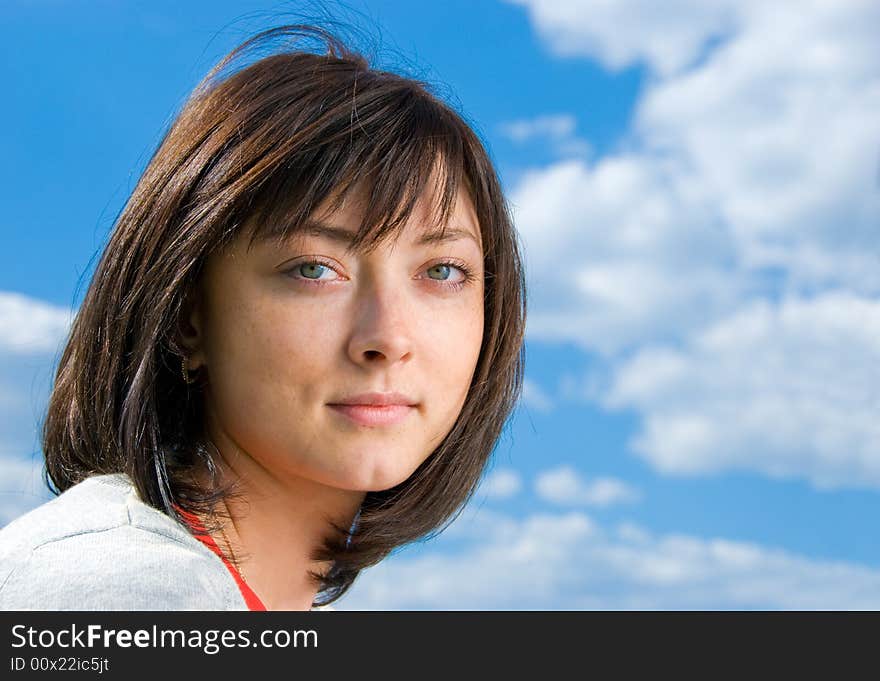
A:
<point x="733" y="231"/>
<point x="555" y="126"/>
<point x="615" y="253"/>
<point x="529" y="554"/>
<point x="8" y="398"/>
<point x="558" y="129"/>
<point x="21" y="486"/>
<point x="569" y="561"/>
<point x="563" y="485"/>
<point x="32" y="332"/>
<point x="788" y="390"/>
<point x="752" y="172"/>
<point x="618" y="33"/>
<point x="30" y="326"/>
<point x="502" y="483"/>
<point x="784" y="138"/>
<point x="534" y="396"/>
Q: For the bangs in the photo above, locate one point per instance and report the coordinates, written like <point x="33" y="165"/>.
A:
<point x="400" y="148"/>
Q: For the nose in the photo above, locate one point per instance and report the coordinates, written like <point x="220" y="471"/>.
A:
<point x="382" y="326"/>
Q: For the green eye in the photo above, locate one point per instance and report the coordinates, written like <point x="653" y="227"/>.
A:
<point x="441" y="268"/>
<point x="305" y="267"/>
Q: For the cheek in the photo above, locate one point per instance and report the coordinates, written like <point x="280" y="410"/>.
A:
<point x="452" y="360"/>
<point x="265" y="356"/>
<point x="293" y="341"/>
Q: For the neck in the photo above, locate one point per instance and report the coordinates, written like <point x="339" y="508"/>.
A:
<point x="275" y="525"/>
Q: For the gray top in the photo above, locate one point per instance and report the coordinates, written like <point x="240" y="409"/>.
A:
<point x="97" y="546"/>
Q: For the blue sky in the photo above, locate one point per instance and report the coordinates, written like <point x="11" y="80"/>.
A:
<point x="699" y="205"/>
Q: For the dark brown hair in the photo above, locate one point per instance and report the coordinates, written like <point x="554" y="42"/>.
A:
<point x="264" y="145"/>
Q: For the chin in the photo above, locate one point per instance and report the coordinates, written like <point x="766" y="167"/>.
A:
<point x="375" y="480"/>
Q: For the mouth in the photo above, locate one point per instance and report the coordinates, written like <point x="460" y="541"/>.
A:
<point x="373" y="415"/>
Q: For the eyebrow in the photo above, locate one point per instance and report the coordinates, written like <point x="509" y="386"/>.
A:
<point x="321" y="229"/>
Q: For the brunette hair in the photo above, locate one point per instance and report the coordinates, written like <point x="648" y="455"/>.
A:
<point x="261" y="146"/>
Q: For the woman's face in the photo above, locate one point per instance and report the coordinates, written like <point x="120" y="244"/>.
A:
<point x="285" y="333"/>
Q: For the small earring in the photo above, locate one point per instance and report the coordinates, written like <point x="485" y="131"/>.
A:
<point x="185" y="373"/>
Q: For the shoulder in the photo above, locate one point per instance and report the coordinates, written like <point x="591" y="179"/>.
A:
<point x="102" y="549"/>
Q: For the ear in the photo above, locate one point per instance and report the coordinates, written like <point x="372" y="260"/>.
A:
<point x="190" y="330"/>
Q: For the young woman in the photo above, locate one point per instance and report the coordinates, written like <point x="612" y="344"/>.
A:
<point x="297" y="353"/>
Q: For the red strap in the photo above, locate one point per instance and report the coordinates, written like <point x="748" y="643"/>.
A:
<point x="250" y="598"/>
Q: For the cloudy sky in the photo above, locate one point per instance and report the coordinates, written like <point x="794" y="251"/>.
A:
<point x="697" y="189"/>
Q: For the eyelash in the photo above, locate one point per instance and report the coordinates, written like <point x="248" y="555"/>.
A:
<point x="453" y="286"/>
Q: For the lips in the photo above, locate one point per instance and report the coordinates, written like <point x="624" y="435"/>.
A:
<point x="373" y="415"/>
<point x="376" y="399"/>
<point x="374" y="408"/>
